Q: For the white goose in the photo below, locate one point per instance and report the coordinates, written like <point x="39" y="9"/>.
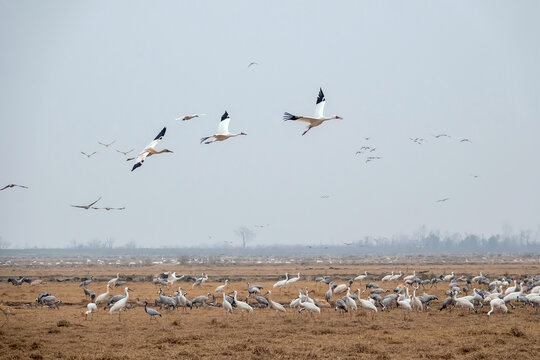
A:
<point x="222" y="131"/>
<point x="317" y="119"/>
<point x="150" y="150"/>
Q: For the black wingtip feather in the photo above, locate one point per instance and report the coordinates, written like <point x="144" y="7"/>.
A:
<point x="320" y="98"/>
<point x="289" y="116"/>
<point x="136" y="166"/>
<point x="225" y="116"/>
<point x="161" y="134"/>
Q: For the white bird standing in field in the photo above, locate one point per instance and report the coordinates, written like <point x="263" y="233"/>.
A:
<point x="387" y="277"/>
<point x="274" y="305"/>
<point x="497" y="304"/>
<point x="361" y="277"/>
<point x="120" y="304"/>
<point x="282" y="283"/>
<point x="150" y="150"/>
<point x="309" y="306"/>
<point x="226" y="305"/>
<point x="222" y="131"/>
<point x="293" y="280"/>
<point x="242" y="305"/>
<point x="103" y="296"/>
<point x="221" y="288"/>
<point x="114" y="280"/>
<point x="410" y="277"/>
<point x="317" y="119"/>
<point x="91" y="308"/>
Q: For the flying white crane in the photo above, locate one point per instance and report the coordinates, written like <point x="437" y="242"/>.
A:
<point x="189" y="117"/>
<point x="120" y="304"/>
<point x="222" y="131"/>
<point x="172" y="279"/>
<point x="317" y="119"/>
<point x="150" y="150"/>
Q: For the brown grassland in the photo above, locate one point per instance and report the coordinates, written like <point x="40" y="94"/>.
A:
<point x="43" y="333"/>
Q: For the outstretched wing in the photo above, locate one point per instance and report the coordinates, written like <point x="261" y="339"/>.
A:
<point x="319" y="107"/>
<point x="223" y="127"/>
<point x="156" y="139"/>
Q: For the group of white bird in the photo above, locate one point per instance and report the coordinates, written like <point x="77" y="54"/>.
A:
<point x="223" y="132"/>
<point x="498" y="298"/>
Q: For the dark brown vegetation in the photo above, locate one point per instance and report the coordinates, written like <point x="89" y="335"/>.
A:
<point x="42" y="333"/>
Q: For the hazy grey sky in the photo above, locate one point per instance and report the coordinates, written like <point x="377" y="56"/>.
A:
<point x="75" y="73"/>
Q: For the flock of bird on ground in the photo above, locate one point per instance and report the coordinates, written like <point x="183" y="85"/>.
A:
<point x="498" y="294"/>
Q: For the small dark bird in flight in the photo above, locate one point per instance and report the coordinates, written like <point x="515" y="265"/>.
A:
<point x="417" y="140"/>
<point x="86" y="206"/>
<point x="13" y="185"/>
<point x="189" y="117"/>
<point x="88" y="156"/>
<point x="442" y="200"/>
<point x="124" y="152"/>
<point x="108" y="208"/>
<point x="106" y="145"/>
<point x="253" y="63"/>
<point x="348" y="244"/>
<point x="441" y="135"/>
<point x="465" y="140"/>
<point x="371" y="158"/>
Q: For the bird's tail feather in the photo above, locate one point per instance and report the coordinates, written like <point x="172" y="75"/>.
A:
<point x="289" y="116"/>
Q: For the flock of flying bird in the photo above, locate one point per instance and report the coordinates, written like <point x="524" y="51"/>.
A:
<point x="496" y="293"/>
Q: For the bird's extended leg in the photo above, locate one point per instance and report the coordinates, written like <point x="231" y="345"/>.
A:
<point x="309" y="128"/>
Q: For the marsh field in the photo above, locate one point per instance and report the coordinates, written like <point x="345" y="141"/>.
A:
<point x="37" y="332"/>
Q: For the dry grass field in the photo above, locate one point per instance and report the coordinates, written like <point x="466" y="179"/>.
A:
<point x="43" y="333"/>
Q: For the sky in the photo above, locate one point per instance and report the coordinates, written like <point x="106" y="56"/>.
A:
<point x="75" y="73"/>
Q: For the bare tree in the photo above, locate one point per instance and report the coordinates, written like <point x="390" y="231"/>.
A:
<point x="245" y="234"/>
<point x="4" y="244"/>
<point x="108" y="243"/>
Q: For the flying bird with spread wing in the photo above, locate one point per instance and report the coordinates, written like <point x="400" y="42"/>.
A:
<point x="124" y="152"/>
<point x="86" y="207"/>
<point x="317" y="119"/>
<point x="253" y="63"/>
<point x="465" y="140"/>
<point x="443" y="200"/>
<point x="13" y="185"/>
<point x="88" y="155"/>
<point x="222" y="132"/>
<point x="150" y="150"/>
<point x="106" y="145"/>
<point x="189" y="117"/>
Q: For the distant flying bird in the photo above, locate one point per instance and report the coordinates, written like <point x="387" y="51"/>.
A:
<point x="222" y="131"/>
<point x="108" y="208"/>
<point x="13" y="185"/>
<point x="261" y="226"/>
<point x="253" y="63"/>
<point x="318" y="117"/>
<point x="442" y="200"/>
<point x="124" y="152"/>
<point x="368" y="138"/>
<point x="371" y="158"/>
<point x="417" y="140"/>
<point x="441" y="135"/>
<point x="475" y="176"/>
<point x="348" y="244"/>
<point x="107" y="145"/>
<point x="86" y="206"/>
<point x="364" y="148"/>
<point x="465" y="140"/>
<point x="88" y="156"/>
<point x="189" y="117"/>
<point x="150" y="150"/>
